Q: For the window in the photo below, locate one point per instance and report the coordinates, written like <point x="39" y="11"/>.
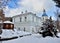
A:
<point x="24" y="28"/>
<point x="20" y="19"/>
<point x="33" y="19"/>
<point x="25" y="18"/>
<point x="18" y="29"/>
<point x="14" y="20"/>
<point x="32" y="29"/>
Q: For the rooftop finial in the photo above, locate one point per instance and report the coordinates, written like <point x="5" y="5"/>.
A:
<point x="25" y="11"/>
<point x="22" y="12"/>
<point x="44" y="10"/>
<point x="44" y="13"/>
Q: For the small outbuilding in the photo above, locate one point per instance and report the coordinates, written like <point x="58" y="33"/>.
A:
<point x="8" y="25"/>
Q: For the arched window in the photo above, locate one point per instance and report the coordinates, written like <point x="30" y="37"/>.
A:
<point x="24" y="28"/>
<point x="18" y="29"/>
<point x="25" y="18"/>
<point x="20" y="19"/>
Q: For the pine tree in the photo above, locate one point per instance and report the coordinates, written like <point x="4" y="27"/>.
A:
<point x="49" y="28"/>
<point x="57" y="3"/>
<point x="58" y="13"/>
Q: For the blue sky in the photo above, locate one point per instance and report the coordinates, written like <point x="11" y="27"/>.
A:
<point x="13" y="4"/>
<point x="15" y="7"/>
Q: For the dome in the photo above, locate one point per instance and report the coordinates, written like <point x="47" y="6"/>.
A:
<point x="44" y="13"/>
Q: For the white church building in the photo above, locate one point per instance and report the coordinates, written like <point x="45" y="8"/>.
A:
<point x="29" y="21"/>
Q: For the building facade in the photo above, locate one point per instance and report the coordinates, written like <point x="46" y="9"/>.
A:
<point x="27" y="22"/>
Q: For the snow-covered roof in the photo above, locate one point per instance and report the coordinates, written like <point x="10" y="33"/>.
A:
<point x="8" y="22"/>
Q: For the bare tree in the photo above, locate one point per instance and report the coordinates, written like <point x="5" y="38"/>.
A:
<point x="57" y="16"/>
<point x="3" y="3"/>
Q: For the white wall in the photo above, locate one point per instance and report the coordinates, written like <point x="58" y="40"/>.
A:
<point x="29" y="25"/>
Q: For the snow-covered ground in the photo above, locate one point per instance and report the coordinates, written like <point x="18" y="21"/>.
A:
<point x="35" y="38"/>
<point x="10" y="33"/>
